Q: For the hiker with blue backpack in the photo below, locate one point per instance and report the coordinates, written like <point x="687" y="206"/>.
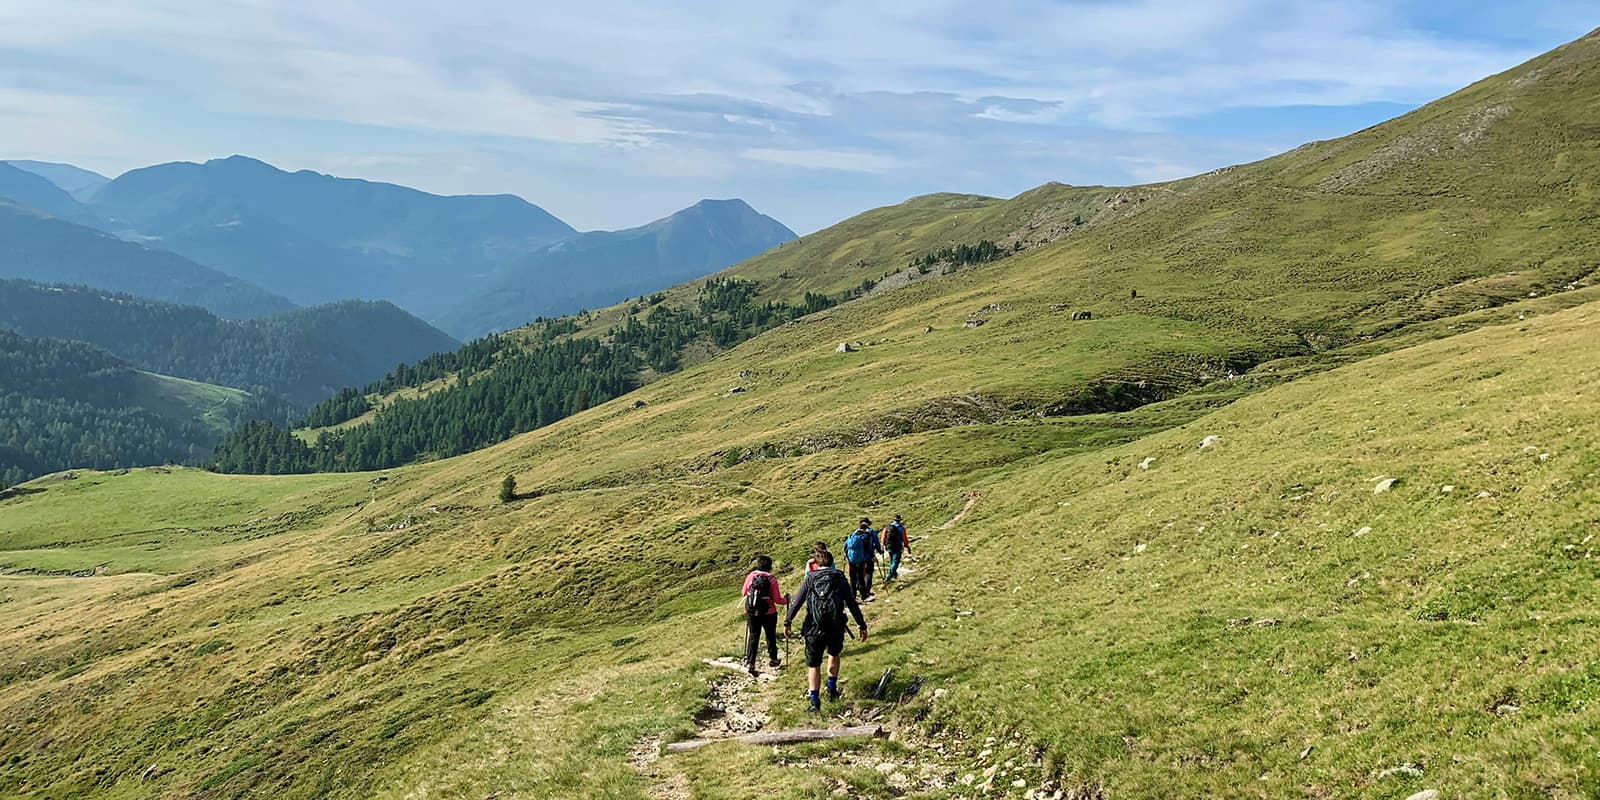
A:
<point x="826" y="594"/>
<point x="761" y="601"/>
<point x="861" y="549"/>
<point x="896" y="542"/>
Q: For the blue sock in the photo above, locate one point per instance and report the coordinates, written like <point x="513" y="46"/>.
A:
<point x="814" y="699"/>
<point x="833" y="684"/>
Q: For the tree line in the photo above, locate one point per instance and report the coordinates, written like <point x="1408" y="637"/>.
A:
<point x="297" y="354"/>
<point x="501" y="386"/>
<point x="70" y="404"/>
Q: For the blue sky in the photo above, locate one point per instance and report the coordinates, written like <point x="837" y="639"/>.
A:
<point x="613" y="113"/>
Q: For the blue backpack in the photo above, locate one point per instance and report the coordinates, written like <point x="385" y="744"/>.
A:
<point x="858" y="547"/>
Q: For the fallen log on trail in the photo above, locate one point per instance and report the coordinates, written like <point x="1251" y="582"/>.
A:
<point x="783" y="737"/>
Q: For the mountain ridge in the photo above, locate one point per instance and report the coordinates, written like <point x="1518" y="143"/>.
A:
<point x="303" y="355"/>
<point x="613" y="265"/>
<point x="43" y="248"/>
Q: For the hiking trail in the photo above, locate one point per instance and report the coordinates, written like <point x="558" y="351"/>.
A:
<point x="972" y="500"/>
<point x="910" y="761"/>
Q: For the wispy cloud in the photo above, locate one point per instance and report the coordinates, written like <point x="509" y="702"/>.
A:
<point x="615" y="113"/>
<point x="846" y="160"/>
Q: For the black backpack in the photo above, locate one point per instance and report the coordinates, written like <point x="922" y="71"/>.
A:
<point x="758" y="601"/>
<point x="896" y="538"/>
<point x="824" y="603"/>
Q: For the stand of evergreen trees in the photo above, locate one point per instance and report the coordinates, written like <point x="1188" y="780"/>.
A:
<point x="71" y="405"/>
<point x="963" y="254"/>
<point x="296" y="354"/>
<point x="502" y="386"/>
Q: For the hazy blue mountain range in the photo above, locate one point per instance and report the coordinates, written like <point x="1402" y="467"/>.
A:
<point x="76" y="181"/>
<point x="316" y="238"/>
<point x="599" y="268"/>
<point x="39" y="193"/>
<point x="303" y="355"/>
<point x="36" y="246"/>
<point x="469" y="263"/>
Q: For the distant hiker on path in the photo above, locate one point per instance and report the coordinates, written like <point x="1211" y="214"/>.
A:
<point x="895" y="543"/>
<point x="861" y="549"/>
<point x="825" y="594"/>
<point x="761" y="601"/>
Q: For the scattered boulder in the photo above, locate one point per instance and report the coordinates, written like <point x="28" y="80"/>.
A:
<point x="1447" y="489"/>
<point x="744" y="373"/>
<point x="1209" y="440"/>
<point x="1145" y="464"/>
<point x="927" y="329"/>
<point x="736" y="390"/>
<point x="1384" y="485"/>
<point x="1059" y="307"/>
<point x="844" y="347"/>
<point x="973" y="323"/>
<point x="637" y="404"/>
<point x="1082" y="315"/>
<point x="1425" y="794"/>
<point x="1133" y="294"/>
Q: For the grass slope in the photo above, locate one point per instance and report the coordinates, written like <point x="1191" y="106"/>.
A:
<point x="1251" y="618"/>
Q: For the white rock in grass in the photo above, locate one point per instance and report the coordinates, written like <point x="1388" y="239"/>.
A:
<point x="1447" y="489"/>
<point x="1145" y="464"/>
<point x="1383" y="485"/>
<point x="1425" y="794"/>
<point x="1365" y="529"/>
<point x="1409" y="770"/>
<point x="1209" y="440"/>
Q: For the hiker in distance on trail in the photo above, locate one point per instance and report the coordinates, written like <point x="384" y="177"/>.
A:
<point x="826" y="594"/>
<point x="861" y="549"/>
<point x="896" y="542"/>
<point x="761" y="600"/>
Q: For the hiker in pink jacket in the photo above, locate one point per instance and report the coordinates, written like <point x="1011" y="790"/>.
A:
<point x="761" y="600"/>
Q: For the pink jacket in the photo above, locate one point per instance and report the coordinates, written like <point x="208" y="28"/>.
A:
<point x="777" y="594"/>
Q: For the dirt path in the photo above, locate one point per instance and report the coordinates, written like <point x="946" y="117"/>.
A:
<point x="972" y="500"/>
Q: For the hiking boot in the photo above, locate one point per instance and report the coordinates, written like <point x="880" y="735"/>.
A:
<point x="833" y="695"/>
<point x="814" y="709"/>
<point x="774" y="663"/>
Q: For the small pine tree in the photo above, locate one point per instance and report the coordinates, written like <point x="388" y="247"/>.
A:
<point x="508" y="489"/>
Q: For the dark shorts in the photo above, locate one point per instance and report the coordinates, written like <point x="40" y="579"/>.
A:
<point x="819" y="643"/>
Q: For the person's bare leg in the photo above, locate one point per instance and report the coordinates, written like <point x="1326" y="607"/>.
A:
<point x="833" y="667"/>
<point x="814" y="675"/>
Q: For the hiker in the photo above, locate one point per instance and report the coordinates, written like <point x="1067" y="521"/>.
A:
<point x="826" y="594"/>
<point x="895" y="542"/>
<point x="861" y="549"/>
<point x="816" y="547"/>
<point x="761" y="601"/>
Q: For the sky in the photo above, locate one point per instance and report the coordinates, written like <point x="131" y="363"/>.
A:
<point x="611" y="113"/>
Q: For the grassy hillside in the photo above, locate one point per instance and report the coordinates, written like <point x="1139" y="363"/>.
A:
<point x="1373" y="581"/>
<point x="1477" y="199"/>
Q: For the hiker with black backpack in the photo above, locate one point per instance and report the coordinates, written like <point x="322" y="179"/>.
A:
<point x="761" y="601"/>
<point x="826" y="594"/>
<point x="861" y="549"/>
<point x="895" y="543"/>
